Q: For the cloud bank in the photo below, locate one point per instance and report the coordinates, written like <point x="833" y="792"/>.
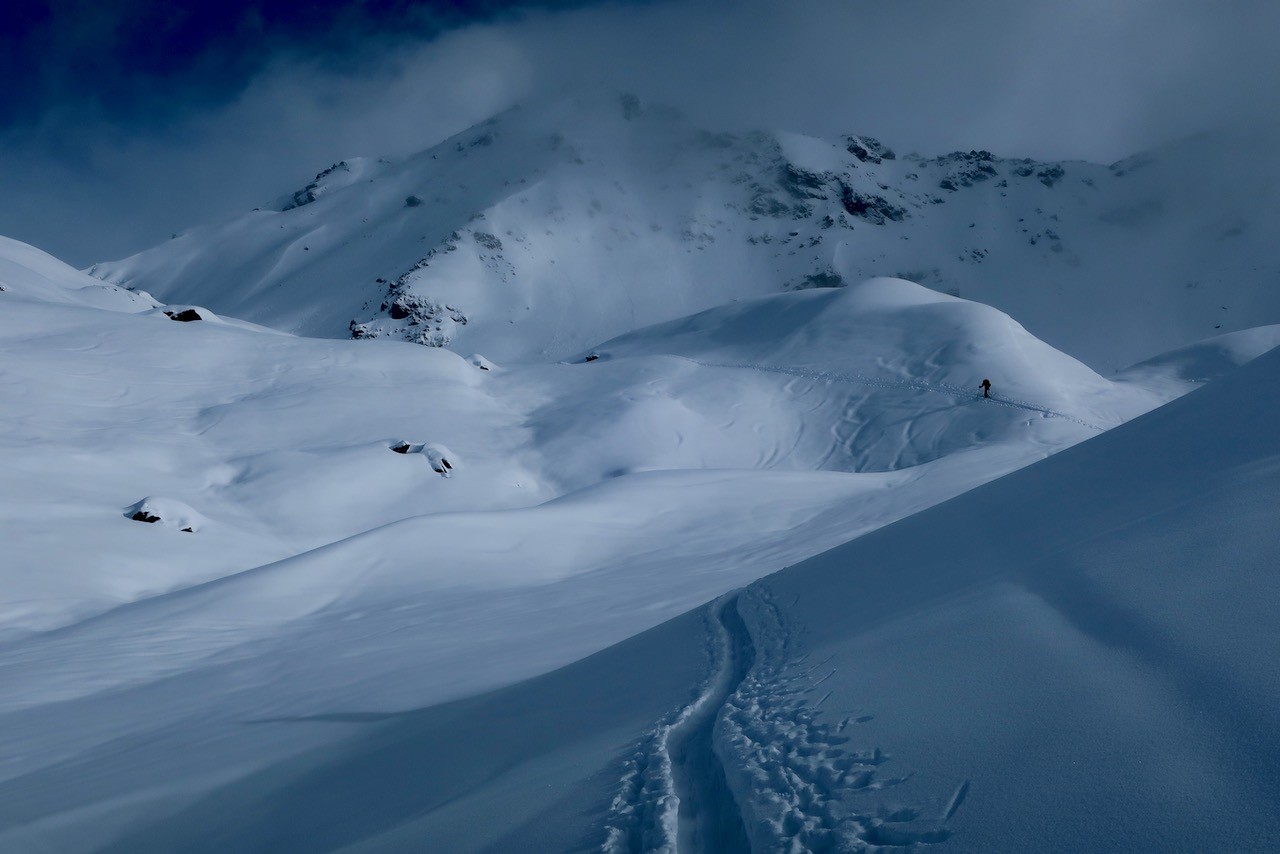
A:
<point x="1091" y="80"/>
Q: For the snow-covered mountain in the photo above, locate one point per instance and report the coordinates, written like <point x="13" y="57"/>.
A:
<point x="1077" y="655"/>
<point x="551" y="227"/>
<point x="264" y="555"/>
<point x="227" y="546"/>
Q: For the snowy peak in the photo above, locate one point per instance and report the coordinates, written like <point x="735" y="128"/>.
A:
<point x="344" y="173"/>
<point x="545" y="229"/>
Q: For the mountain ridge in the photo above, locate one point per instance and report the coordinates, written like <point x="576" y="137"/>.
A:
<point x="580" y="220"/>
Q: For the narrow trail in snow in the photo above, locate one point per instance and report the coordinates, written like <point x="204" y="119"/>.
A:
<point x="801" y="782"/>
<point x="708" y="819"/>
<point x="912" y="385"/>
<point x="750" y="764"/>
<point x="674" y="796"/>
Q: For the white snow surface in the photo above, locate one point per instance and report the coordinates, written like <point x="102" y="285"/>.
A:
<point x="269" y="592"/>
<point x="1077" y="656"/>
<point x="329" y="585"/>
<point x="31" y="274"/>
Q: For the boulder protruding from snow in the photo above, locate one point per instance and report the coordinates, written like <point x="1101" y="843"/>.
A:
<point x="476" y="360"/>
<point x="186" y="315"/>
<point x="440" y="457"/>
<point x="168" y="511"/>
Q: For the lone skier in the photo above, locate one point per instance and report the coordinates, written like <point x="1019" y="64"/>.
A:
<point x="986" y="388"/>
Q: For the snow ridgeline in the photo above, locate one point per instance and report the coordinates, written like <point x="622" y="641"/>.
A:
<point x="750" y="766"/>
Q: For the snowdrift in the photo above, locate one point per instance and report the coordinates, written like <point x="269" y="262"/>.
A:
<point x="585" y="503"/>
<point x="1076" y="655"/>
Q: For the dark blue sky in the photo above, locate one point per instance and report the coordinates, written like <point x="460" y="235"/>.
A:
<point x="130" y="59"/>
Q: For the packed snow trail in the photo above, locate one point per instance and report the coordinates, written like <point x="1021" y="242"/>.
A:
<point x="675" y="797"/>
<point x="748" y="766"/>
<point x="910" y="385"/>
<point x="709" y="819"/>
<point x="802" y="783"/>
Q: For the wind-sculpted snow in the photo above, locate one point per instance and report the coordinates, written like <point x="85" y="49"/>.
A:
<point x="1040" y="655"/>
<point x="880" y="376"/>
<point x="329" y="584"/>
<point x="1024" y="668"/>
<point x="549" y="228"/>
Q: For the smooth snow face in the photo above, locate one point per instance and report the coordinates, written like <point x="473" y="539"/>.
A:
<point x="880" y="376"/>
<point x="30" y="274"/>
<point x="1206" y="359"/>
<point x="279" y="444"/>
<point x="268" y="445"/>
<point x="1076" y="656"/>
<point x="1039" y="659"/>
<point x="582" y="503"/>
<point x="547" y="229"/>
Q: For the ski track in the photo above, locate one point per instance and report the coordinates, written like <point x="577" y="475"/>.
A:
<point x="911" y="385"/>
<point x="673" y="795"/>
<point x="748" y="765"/>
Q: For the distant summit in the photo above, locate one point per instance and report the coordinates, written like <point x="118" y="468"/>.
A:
<point x="555" y="225"/>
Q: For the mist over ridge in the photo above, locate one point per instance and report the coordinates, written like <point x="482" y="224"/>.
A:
<point x="1080" y="81"/>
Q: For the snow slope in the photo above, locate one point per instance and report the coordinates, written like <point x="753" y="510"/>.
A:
<point x="280" y="445"/>
<point x="1081" y="652"/>
<point x="28" y="273"/>
<point x="554" y="226"/>
<point x="1076" y="657"/>
<point x="585" y="502"/>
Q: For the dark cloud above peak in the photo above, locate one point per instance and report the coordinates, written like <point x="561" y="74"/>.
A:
<point x="128" y="58"/>
<point x="123" y="123"/>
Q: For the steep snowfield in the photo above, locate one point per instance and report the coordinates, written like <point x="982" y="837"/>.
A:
<point x="1078" y="656"/>
<point x="1083" y="651"/>
<point x="551" y="227"/>
<point x="325" y="574"/>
